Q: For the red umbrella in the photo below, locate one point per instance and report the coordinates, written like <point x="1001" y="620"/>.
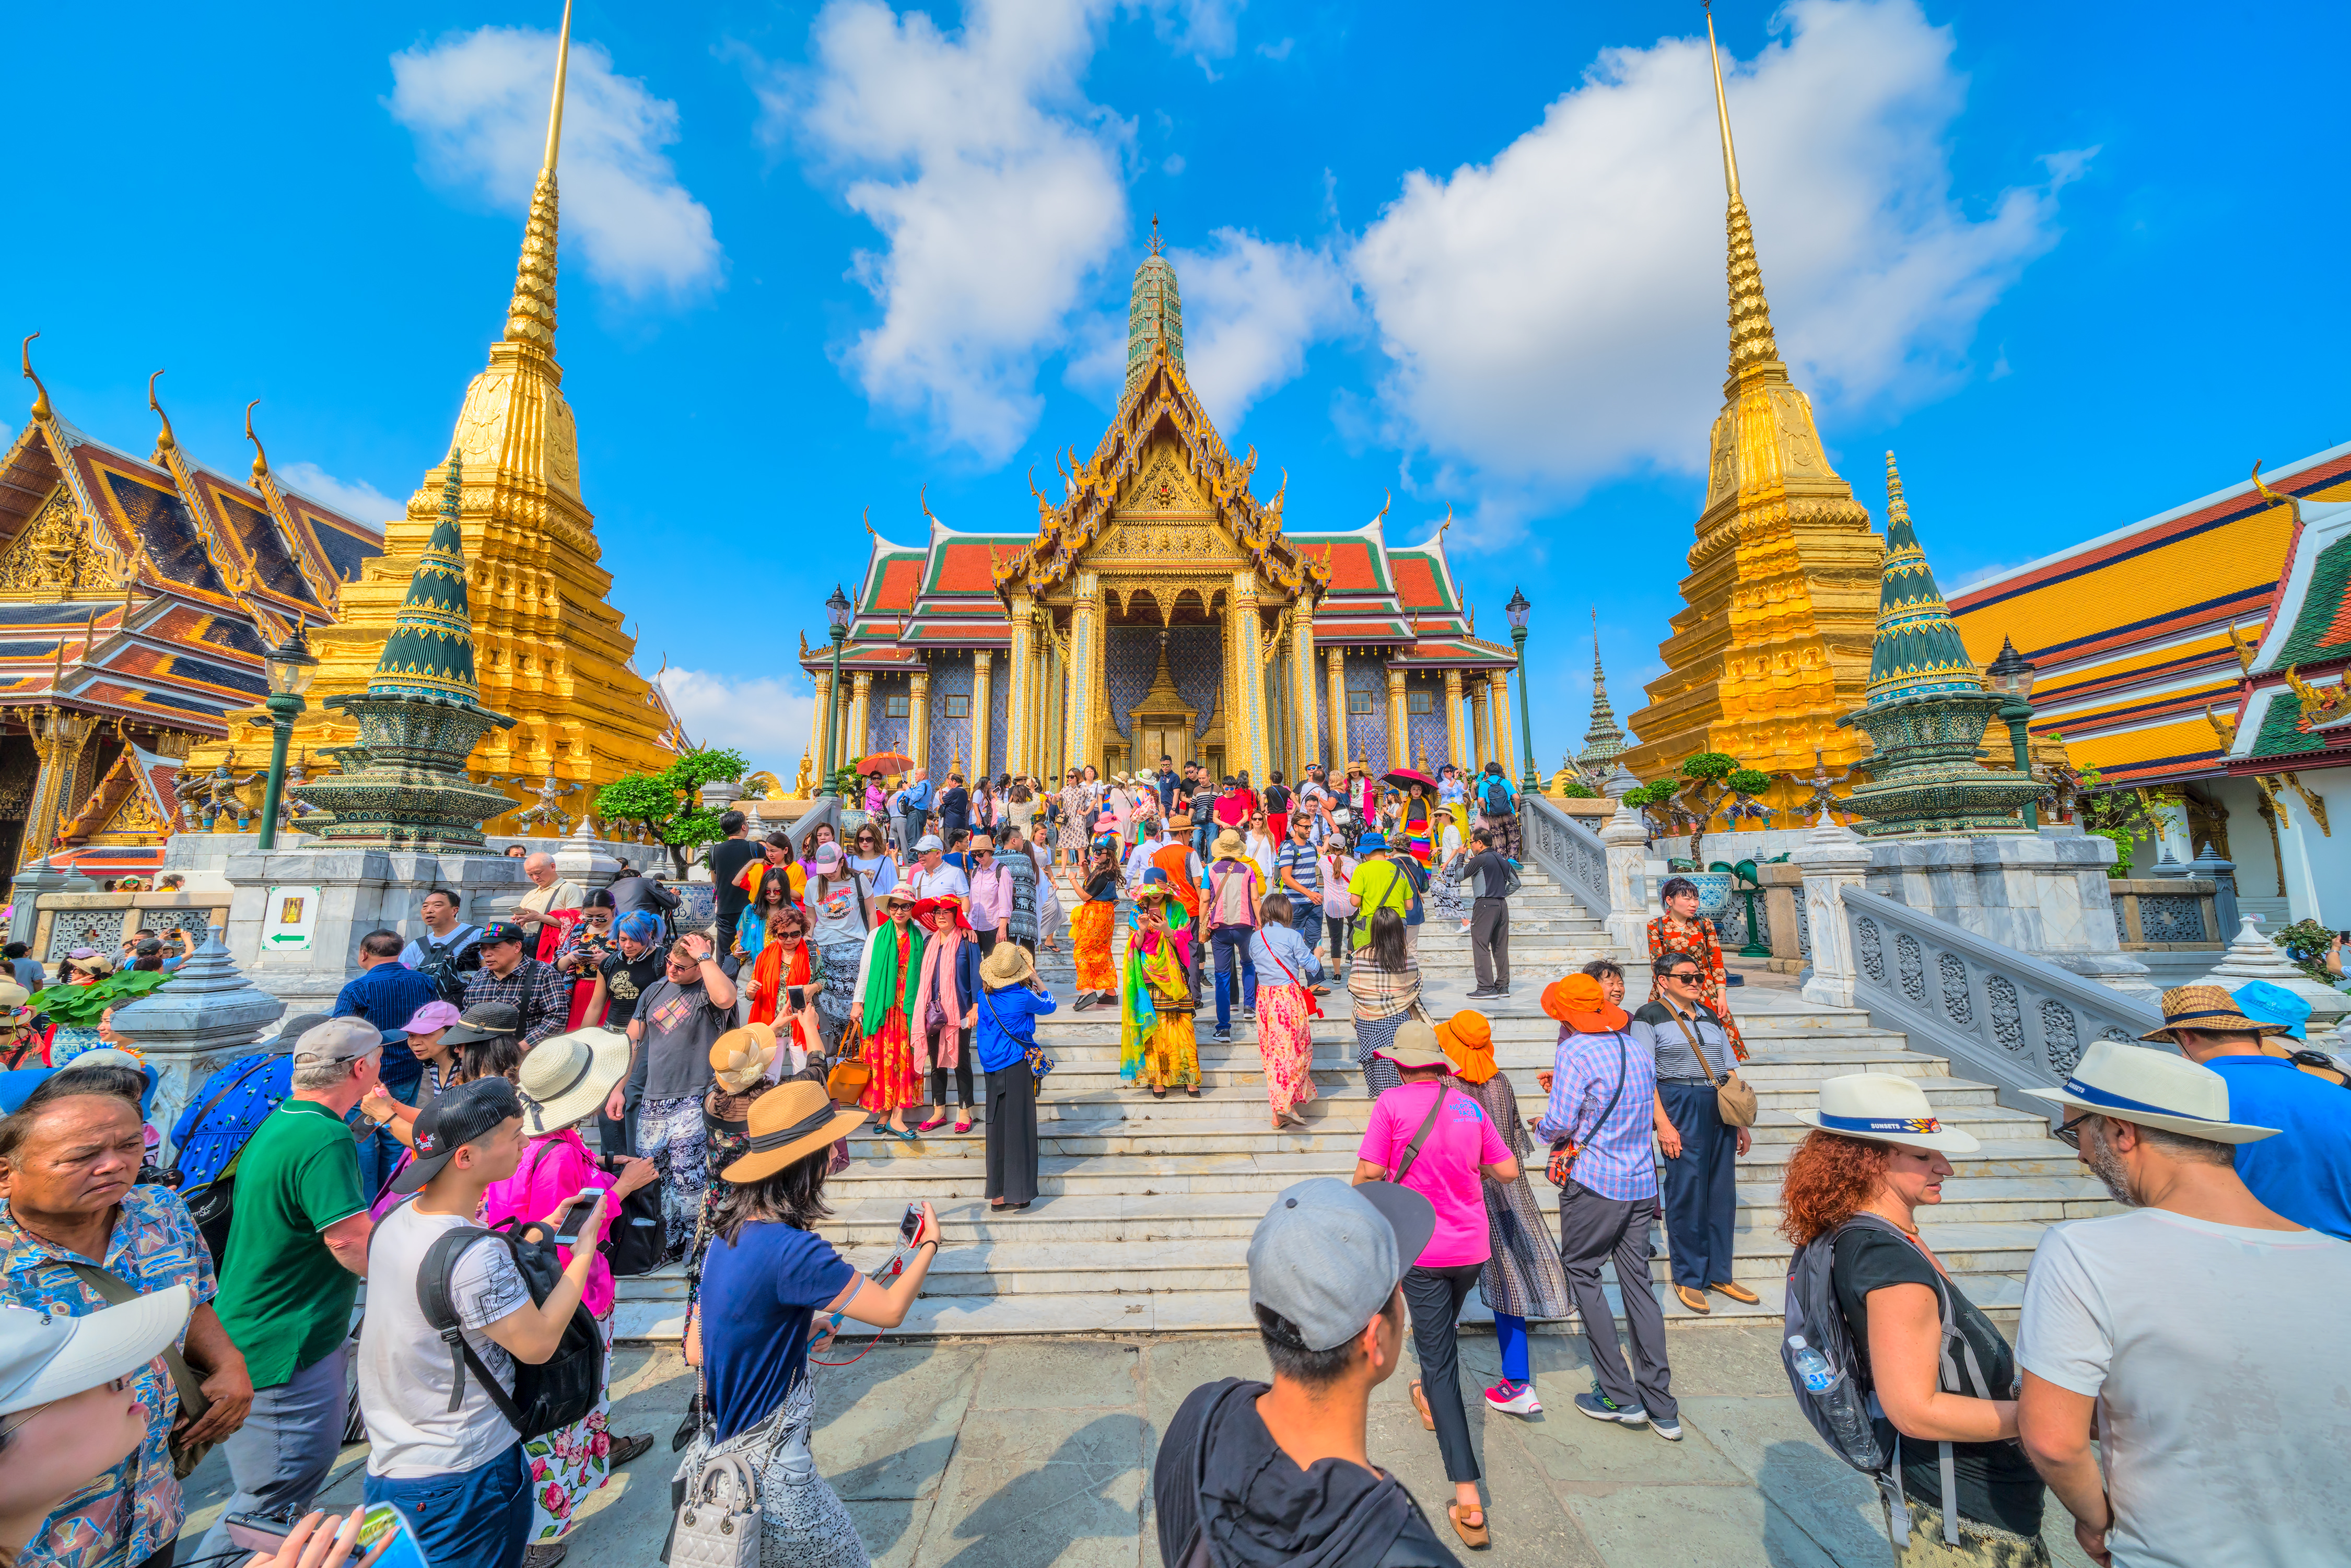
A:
<point x="886" y="762"/>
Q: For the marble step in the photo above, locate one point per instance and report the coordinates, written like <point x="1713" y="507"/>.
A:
<point x="1526" y="1023"/>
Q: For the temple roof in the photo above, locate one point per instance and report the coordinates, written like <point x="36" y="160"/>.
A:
<point x="2290" y="714"/>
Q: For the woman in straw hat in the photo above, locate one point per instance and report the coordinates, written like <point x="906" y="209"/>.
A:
<point x="1011" y="1002"/>
<point x="767" y="1277"/>
<point x="945" y="1009"/>
<point x="1156" y="1046"/>
<point x="1287" y="1009"/>
<point x="561" y="1084"/>
<point x="1877" y="1155"/>
<point x="880" y="1032"/>
<point x="1522" y="1277"/>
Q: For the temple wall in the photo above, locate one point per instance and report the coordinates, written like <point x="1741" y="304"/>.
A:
<point x="884" y="732"/>
<point x="1425" y="732"/>
<point x="951" y="676"/>
<point x="1367" y="733"/>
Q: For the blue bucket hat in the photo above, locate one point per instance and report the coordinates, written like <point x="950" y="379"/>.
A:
<point x="1372" y="842"/>
<point x="2265" y="1003"/>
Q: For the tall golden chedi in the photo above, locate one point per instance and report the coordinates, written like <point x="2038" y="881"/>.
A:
<point x="548" y="647"/>
<point x="1774" y="647"/>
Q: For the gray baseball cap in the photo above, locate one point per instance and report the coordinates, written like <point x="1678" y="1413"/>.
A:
<point x="1327" y="1255"/>
<point x="337" y="1040"/>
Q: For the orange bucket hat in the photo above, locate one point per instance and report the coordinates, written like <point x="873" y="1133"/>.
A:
<point x="1468" y="1041"/>
<point x="1578" y="1002"/>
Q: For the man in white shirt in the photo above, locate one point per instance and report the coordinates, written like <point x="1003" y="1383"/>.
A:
<point x="931" y="877"/>
<point x="1138" y="859"/>
<point x="2223" y="1428"/>
<point x="458" y="1477"/>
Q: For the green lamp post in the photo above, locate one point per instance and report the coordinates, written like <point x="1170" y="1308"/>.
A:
<point x="2011" y="677"/>
<point x="837" y="615"/>
<point x="1516" y="611"/>
<point x="291" y="668"/>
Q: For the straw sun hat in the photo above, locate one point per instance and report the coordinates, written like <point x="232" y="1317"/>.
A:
<point x="739" y="1058"/>
<point x="1415" y="1046"/>
<point x="569" y="1076"/>
<point x="786" y="1123"/>
<point x="1008" y="965"/>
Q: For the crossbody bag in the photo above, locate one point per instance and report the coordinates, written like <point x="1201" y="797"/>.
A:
<point x="1561" y="1171"/>
<point x="1360" y="926"/>
<point x="1313" y="1007"/>
<point x="1039" y="1062"/>
<point x="194" y="1401"/>
<point x="1734" y="1100"/>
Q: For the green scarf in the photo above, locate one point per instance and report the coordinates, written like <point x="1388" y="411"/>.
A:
<point x="885" y="984"/>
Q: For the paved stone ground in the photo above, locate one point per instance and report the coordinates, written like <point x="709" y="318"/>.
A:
<point x="1035" y="1453"/>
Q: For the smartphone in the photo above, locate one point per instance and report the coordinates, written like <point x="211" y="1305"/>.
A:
<point x="258" y="1531"/>
<point x="797" y="996"/>
<point x="380" y="1519"/>
<point x="567" y="1230"/>
<point x="909" y="1227"/>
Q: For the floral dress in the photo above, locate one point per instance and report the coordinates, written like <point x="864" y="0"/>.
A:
<point x="1695" y="938"/>
<point x="1075" y="798"/>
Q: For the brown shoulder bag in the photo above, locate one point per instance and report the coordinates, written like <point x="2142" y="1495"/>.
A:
<point x="1734" y="1101"/>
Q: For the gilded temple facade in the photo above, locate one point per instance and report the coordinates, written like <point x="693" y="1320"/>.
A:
<point x="549" y="650"/>
<point x="1158" y="608"/>
<point x="1773" y="647"/>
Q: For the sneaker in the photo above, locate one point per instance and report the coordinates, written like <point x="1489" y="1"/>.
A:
<point x="1600" y="1408"/>
<point x="1221" y="1037"/>
<point x="1480" y="995"/>
<point x="1514" y="1398"/>
<point x="1671" y="1431"/>
<point x="1249" y="1015"/>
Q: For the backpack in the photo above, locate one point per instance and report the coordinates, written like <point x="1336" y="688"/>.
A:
<point x="1494" y="795"/>
<point x="445" y="964"/>
<point x="1511" y="881"/>
<point x="557" y="1391"/>
<point x="213" y="1205"/>
<point x="1845" y="1411"/>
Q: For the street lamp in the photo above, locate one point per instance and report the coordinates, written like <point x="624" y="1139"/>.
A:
<point x="1516" y="611"/>
<point x="837" y="615"/>
<point x="2011" y="677"/>
<point x="292" y="667"/>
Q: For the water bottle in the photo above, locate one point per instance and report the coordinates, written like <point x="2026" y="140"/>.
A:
<point x="1813" y="1366"/>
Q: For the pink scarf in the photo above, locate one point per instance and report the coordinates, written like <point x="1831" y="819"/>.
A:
<point x="936" y="987"/>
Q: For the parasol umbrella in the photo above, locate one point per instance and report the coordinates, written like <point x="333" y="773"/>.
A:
<point x="1398" y="778"/>
<point x="885" y="762"/>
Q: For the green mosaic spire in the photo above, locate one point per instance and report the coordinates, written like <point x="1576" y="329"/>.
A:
<point x="1918" y="652"/>
<point x="1154" y="310"/>
<point x="431" y="650"/>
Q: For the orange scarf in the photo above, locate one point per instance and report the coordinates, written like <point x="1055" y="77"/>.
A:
<point x="768" y="974"/>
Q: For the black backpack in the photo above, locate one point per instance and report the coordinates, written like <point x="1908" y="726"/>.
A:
<point x="557" y="1391"/>
<point x="445" y="964"/>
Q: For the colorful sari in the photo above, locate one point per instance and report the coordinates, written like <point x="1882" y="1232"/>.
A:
<point x="1156" y="1047"/>
<point x="1671" y="934"/>
<point x="1092" y="926"/>
<point x="884" y="1043"/>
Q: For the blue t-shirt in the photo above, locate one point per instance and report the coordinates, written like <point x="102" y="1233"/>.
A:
<point x="760" y="1298"/>
<point x="2304" y="1173"/>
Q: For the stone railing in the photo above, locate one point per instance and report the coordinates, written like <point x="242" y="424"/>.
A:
<point x="2165" y="914"/>
<point x="2002" y="1017"/>
<point x="60" y="922"/>
<point x="1603" y="868"/>
<point x="1563" y="846"/>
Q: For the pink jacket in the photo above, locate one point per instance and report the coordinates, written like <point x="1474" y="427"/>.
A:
<point x="553" y="1168"/>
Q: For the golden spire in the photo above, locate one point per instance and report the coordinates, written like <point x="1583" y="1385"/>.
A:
<point x="530" y="318"/>
<point x="1751" y="343"/>
<point x="41" y="409"/>
<point x="164" y="441"/>
<point x="260" y="458"/>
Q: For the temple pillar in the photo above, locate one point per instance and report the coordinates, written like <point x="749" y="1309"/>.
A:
<point x="1481" y="735"/>
<point x="1399" y="726"/>
<point x="1023" y="693"/>
<point x="1085" y="659"/>
<point x="1453" y="742"/>
<point x="859" y="740"/>
<point x="918" y="717"/>
<point x="1299" y="674"/>
<point x="58" y="736"/>
<point x="1338" y="761"/>
<point x="1245" y="737"/>
<point x="820" y="720"/>
<point x="1498" y="683"/>
<point x="980" y="697"/>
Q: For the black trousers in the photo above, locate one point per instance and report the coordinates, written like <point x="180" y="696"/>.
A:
<point x="1593" y="1229"/>
<point x="723" y="942"/>
<point x="1490" y="942"/>
<point x="961" y="1076"/>
<point x="1012" y="1134"/>
<point x="1701" y="1194"/>
<point x="1434" y="1296"/>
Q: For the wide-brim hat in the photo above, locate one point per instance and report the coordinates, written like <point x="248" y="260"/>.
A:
<point x="787" y="1122"/>
<point x="1577" y="1001"/>
<point x="946" y="901"/>
<point x="739" y="1058"/>
<point x="2153" y="1089"/>
<point x="901" y="893"/>
<point x="48" y="1356"/>
<point x="1415" y="1045"/>
<point x="1008" y="965"/>
<point x="1884" y="1108"/>
<point x="2262" y="1002"/>
<point x="569" y="1076"/>
<point x="2209" y="1009"/>
<point x="1229" y="841"/>
<point x="1372" y="842"/>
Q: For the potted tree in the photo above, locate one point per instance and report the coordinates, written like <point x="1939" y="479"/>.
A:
<point x="1710" y="784"/>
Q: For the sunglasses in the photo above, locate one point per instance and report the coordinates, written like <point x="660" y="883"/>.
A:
<point x="1686" y="977"/>
<point x="2070" y="1135"/>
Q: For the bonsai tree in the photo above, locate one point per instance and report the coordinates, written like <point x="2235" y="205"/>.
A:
<point x="2117" y="814"/>
<point x="1711" y="784"/>
<point x="666" y="807"/>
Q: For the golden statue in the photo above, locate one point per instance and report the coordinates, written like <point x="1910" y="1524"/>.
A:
<point x="804" y="781"/>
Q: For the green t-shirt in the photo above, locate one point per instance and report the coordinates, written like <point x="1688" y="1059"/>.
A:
<point x="284" y="1298"/>
<point x="1384" y="884"/>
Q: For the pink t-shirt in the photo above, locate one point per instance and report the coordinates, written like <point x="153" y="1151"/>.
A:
<point x="1445" y="1172"/>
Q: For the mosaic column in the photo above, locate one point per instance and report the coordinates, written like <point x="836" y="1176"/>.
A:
<point x="1245" y="651"/>
<point x="1338" y="759"/>
<point x="58" y="736"/>
<point x="1399" y="722"/>
<point x="1481" y="735"/>
<point x="980" y="700"/>
<point x="1498" y="684"/>
<point x="918" y="717"/>
<point x="1458" y="756"/>
<point x="1023" y="692"/>
<point x="1298" y="673"/>
<point x="1085" y="660"/>
<point x="860" y="705"/>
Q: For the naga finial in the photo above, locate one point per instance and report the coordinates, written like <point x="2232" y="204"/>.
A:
<point x="2277" y="497"/>
<point x="165" y="440"/>
<point x="41" y="409"/>
<point x="260" y="457"/>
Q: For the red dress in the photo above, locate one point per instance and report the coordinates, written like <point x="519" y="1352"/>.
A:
<point x="1696" y="939"/>
<point x="889" y="1051"/>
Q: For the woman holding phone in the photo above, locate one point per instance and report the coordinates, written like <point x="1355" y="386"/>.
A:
<point x="771" y="1290"/>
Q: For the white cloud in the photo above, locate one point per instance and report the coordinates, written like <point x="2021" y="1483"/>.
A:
<point x="767" y="718"/>
<point x="1556" y="316"/>
<point x="1251" y="309"/>
<point x="476" y="103"/>
<point x="354" y="498"/>
<point x="8" y="432"/>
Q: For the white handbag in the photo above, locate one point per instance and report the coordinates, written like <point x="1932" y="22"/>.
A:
<point x="718" y="1523"/>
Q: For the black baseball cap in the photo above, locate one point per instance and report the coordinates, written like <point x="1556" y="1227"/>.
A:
<point x="501" y="931"/>
<point x="464" y="1114"/>
<point x="484" y="1021"/>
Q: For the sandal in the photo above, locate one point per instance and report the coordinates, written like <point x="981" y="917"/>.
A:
<point x="1472" y="1535"/>
<point x="1420" y="1403"/>
<point x="1193" y="1089"/>
<point x="1158" y="1092"/>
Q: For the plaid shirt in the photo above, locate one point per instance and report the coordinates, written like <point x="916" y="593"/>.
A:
<point x="1613" y="1157"/>
<point x="538" y="991"/>
<point x="125" y="1514"/>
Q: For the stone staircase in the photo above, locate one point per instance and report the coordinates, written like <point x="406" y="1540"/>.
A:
<point x="1146" y="1206"/>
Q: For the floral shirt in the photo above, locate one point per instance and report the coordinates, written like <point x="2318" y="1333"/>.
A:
<point x="123" y="1516"/>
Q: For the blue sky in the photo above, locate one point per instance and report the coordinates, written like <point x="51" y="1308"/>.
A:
<point x="2074" y="265"/>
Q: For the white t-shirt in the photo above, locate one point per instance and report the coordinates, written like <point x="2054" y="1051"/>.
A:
<point x="2224" y="1423"/>
<point x="404" y="1368"/>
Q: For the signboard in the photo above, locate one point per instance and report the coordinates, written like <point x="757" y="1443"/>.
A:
<point x="289" y="919"/>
